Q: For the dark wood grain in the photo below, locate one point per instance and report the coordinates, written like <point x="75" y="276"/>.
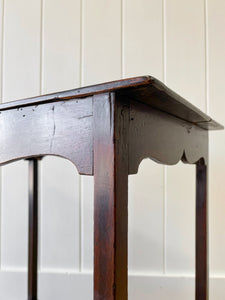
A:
<point x="159" y="96"/>
<point x="110" y="198"/>
<point x="33" y="230"/>
<point x="79" y="92"/>
<point x="107" y="130"/>
<point x="163" y="138"/>
<point x="58" y="128"/>
<point x="201" y="277"/>
<point x="146" y="89"/>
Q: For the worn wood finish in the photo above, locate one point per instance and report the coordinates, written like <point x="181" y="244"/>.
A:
<point x="107" y="130"/>
<point x="146" y="89"/>
<point x="201" y="276"/>
<point x="33" y="230"/>
<point x="150" y="129"/>
<point x="110" y="192"/>
<point x="58" y="128"/>
<point x="78" y="93"/>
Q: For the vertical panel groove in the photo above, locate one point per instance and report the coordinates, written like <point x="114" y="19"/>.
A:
<point x="122" y="39"/>
<point x="164" y="218"/>
<point x="80" y="178"/>
<point x="164" y="41"/>
<point x="81" y="43"/>
<point x="40" y="168"/>
<point x="2" y="48"/>
<point x="40" y="91"/>
<point x="1" y="219"/>
<point x="1" y="98"/>
<point x="80" y="222"/>
<point x="206" y="56"/>
<point x="164" y="167"/>
<point x="40" y="222"/>
<point x="80" y="225"/>
<point x="41" y="44"/>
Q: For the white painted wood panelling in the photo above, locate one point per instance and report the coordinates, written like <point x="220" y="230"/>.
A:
<point x="101" y="41"/>
<point x="21" y="73"/>
<point x="1" y="79"/>
<point x="1" y="44"/>
<point x="60" y="45"/>
<point x="60" y="196"/>
<point x="180" y="219"/>
<point x="48" y="46"/>
<point x="216" y="73"/>
<point x="185" y="49"/>
<point x="143" y="38"/>
<point x="185" y="73"/>
<point x="87" y="211"/>
<point x="14" y="221"/>
<point x="60" y="219"/>
<point x="21" y="65"/>
<point x="146" y="219"/>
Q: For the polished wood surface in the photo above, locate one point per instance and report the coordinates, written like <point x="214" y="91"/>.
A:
<point x="151" y="128"/>
<point x="201" y="241"/>
<point x="110" y="197"/>
<point x="106" y="130"/>
<point x="146" y="89"/>
<point x="58" y="128"/>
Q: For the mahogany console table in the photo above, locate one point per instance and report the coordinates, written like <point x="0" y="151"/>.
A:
<point x="106" y="130"/>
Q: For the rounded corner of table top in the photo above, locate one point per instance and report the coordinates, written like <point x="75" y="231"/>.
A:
<point x="146" y="89"/>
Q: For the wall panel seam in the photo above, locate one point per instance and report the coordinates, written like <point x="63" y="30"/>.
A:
<point x="80" y="177"/>
<point x="40" y="248"/>
<point x="122" y="38"/>
<point x="41" y="45"/>
<point x="1" y="100"/>
<point x="164" y="167"/>
<point x="80" y="224"/>
<point x="206" y="57"/>
<point x="40" y="91"/>
<point x="81" y="42"/>
<point x="2" y="47"/>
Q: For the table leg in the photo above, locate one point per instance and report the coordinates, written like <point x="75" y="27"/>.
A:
<point x="201" y="281"/>
<point x="110" y="200"/>
<point x="33" y="229"/>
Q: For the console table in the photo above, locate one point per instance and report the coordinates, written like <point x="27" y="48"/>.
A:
<point x="106" y="130"/>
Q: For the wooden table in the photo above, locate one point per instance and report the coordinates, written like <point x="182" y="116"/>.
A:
<point x="106" y="130"/>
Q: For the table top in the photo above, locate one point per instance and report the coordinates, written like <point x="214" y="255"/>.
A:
<point x="145" y="89"/>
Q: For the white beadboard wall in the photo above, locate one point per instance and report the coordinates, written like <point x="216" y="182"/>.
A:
<point x="53" y="45"/>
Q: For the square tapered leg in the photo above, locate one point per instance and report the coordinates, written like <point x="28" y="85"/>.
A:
<point x="110" y="198"/>
<point x="201" y="276"/>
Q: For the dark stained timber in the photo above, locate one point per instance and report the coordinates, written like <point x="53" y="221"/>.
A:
<point x="106" y="130"/>
<point x="57" y="128"/>
<point x="150" y="129"/>
<point x="145" y="89"/>
<point x="33" y="230"/>
<point x="201" y="276"/>
<point x="110" y="198"/>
